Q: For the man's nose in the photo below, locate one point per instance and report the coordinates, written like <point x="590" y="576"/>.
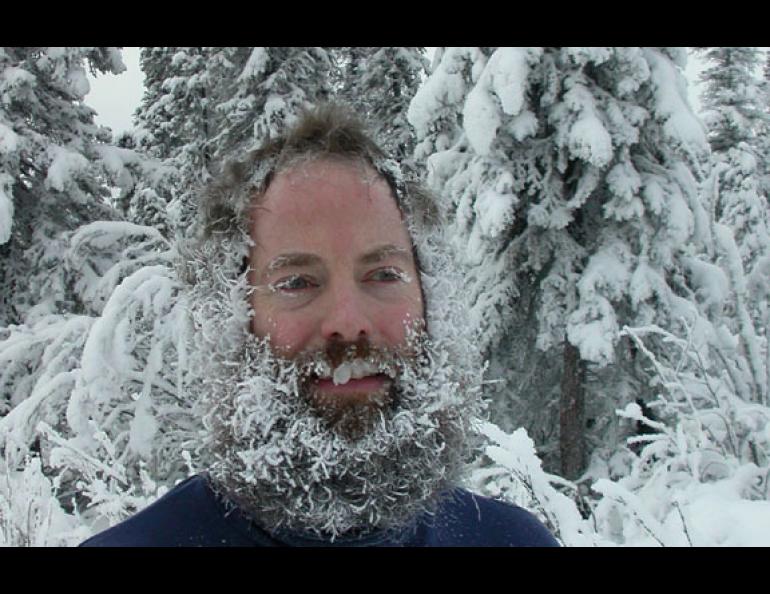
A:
<point x="347" y="316"/>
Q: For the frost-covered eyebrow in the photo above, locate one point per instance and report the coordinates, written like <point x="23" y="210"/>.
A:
<point x="386" y="251"/>
<point x="292" y="260"/>
<point x="300" y="259"/>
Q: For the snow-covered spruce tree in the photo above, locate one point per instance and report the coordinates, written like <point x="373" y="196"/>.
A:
<point x="99" y="397"/>
<point x="379" y="83"/>
<point x="764" y="129"/>
<point x="175" y="124"/>
<point x="732" y="96"/>
<point x="202" y="104"/>
<point x="735" y="112"/>
<point x="64" y="256"/>
<point x="54" y="162"/>
<point x="737" y="118"/>
<point x="265" y="89"/>
<point x="700" y="471"/>
<point x="348" y="67"/>
<point x="154" y="117"/>
<point x="567" y="174"/>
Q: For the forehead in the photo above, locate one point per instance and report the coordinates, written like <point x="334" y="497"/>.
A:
<point x="327" y="204"/>
<point x="312" y="180"/>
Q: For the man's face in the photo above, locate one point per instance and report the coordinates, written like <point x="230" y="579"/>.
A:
<point x="332" y="264"/>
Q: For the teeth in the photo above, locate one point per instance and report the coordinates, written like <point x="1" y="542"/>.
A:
<point x="355" y="369"/>
<point x="342" y="374"/>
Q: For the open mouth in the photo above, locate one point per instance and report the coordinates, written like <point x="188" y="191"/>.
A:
<point x="354" y="372"/>
<point x="369" y="384"/>
<point x="350" y="395"/>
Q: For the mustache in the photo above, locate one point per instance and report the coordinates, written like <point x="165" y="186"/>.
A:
<point x="337" y="351"/>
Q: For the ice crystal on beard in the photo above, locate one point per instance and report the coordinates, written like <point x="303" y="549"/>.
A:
<point x="269" y="451"/>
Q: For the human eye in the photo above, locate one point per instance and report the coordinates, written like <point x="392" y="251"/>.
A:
<point x="388" y="274"/>
<point x="293" y="285"/>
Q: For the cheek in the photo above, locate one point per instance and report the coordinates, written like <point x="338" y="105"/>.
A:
<point x="288" y="333"/>
<point x="393" y="321"/>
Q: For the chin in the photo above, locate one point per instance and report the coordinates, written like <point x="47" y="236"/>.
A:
<point x="353" y="413"/>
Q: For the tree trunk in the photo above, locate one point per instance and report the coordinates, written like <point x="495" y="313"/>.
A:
<point x="572" y="414"/>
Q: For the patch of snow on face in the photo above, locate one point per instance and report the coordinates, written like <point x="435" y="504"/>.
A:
<point x="342" y="374"/>
<point x="355" y="369"/>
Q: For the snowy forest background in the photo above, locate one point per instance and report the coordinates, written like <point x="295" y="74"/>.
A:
<point x="615" y="245"/>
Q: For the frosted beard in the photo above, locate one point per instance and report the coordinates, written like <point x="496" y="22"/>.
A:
<point x="289" y="462"/>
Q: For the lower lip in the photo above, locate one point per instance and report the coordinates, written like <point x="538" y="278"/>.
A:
<point x="372" y="383"/>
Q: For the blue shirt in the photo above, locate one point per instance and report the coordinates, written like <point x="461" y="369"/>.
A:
<point x="192" y="515"/>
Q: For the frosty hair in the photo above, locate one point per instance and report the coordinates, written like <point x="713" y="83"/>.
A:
<point x="221" y="342"/>
<point x="326" y="132"/>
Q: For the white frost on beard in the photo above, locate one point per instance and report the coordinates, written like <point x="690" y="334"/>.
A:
<point x="273" y="455"/>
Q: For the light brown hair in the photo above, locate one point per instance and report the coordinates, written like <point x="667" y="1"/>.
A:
<point x="327" y="131"/>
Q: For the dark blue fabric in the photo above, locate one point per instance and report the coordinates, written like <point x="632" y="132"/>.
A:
<point x="191" y="515"/>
